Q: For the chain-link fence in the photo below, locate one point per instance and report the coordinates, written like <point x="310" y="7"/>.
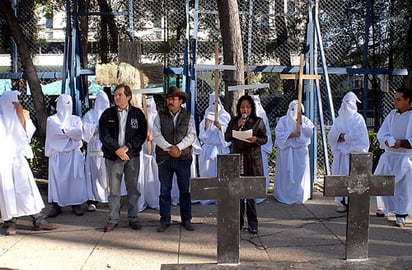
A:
<point x="273" y="33"/>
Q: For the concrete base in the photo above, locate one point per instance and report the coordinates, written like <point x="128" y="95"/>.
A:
<point x="400" y="263"/>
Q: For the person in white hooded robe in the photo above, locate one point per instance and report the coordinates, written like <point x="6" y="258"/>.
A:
<point x="395" y="137"/>
<point x="292" y="177"/>
<point x="19" y="194"/>
<point x="67" y="181"/>
<point x="95" y="167"/>
<point x="212" y="134"/>
<point x="347" y="135"/>
<point x="151" y="189"/>
<point x="266" y="149"/>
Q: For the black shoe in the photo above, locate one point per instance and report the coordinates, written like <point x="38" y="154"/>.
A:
<point x="109" y="227"/>
<point x="188" y="226"/>
<point x="163" y="227"/>
<point x="77" y="210"/>
<point x="380" y="213"/>
<point x="253" y="230"/>
<point x="10" y="229"/>
<point x="135" y="225"/>
<point x="54" y="212"/>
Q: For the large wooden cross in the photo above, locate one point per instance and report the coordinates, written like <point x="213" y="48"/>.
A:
<point x="300" y="76"/>
<point x="358" y="186"/>
<point x="228" y="188"/>
<point x="217" y="68"/>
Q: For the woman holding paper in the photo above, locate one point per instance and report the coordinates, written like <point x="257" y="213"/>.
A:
<point x="246" y="131"/>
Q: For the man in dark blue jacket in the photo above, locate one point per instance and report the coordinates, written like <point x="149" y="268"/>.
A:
<point x="123" y="130"/>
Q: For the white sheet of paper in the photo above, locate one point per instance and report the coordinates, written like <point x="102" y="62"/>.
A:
<point x="242" y="135"/>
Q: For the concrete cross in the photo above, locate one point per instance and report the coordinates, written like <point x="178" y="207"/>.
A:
<point x="228" y="188"/>
<point x="358" y="186"/>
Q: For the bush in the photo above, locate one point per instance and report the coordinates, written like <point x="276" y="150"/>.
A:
<point x="39" y="163"/>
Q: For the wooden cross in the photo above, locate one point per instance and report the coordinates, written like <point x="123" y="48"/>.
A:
<point x="300" y="78"/>
<point x="217" y="68"/>
<point x="358" y="186"/>
<point x="249" y="85"/>
<point x="228" y="189"/>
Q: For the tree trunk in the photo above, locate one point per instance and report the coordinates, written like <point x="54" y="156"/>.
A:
<point x="28" y="68"/>
<point x="409" y="56"/>
<point x="232" y="50"/>
<point x="109" y="27"/>
<point x="83" y="30"/>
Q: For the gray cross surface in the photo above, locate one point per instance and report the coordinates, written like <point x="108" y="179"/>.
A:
<point x="228" y="188"/>
<point x="358" y="186"/>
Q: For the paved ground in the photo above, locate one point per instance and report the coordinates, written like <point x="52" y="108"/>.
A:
<point x="308" y="236"/>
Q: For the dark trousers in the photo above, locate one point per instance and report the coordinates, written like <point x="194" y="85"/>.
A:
<point x="250" y="213"/>
<point x="167" y="168"/>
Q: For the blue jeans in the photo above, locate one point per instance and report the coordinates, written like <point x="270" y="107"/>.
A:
<point x="167" y="168"/>
<point x="115" y="171"/>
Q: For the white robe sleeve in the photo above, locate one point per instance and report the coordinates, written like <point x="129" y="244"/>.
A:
<point x="90" y="126"/>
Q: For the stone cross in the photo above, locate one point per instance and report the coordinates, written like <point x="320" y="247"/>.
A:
<point x="228" y="188"/>
<point x="358" y="186"/>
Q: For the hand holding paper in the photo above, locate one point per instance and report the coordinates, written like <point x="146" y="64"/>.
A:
<point x="242" y="135"/>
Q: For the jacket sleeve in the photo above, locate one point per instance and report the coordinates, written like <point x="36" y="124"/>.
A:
<point x="107" y="140"/>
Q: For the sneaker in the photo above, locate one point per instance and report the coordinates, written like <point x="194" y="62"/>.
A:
<point x="380" y="213"/>
<point x="91" y="207"/>
<point x="400" y="221"/>
<point x="188" y="226"/>
<point x="342" y="209"/>
<point x="109" y="227"/>
<point x="163" y="227"/>
<point x="135" y="225"/>
<point x="54" y="212"/>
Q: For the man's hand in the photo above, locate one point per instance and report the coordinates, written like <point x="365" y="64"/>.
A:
<point x="122" y="153"/>
<point x="174" y="151"/>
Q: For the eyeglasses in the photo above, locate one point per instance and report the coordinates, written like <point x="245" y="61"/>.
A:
<point x="172" y="98"/>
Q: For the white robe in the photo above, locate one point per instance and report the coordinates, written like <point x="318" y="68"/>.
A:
<point x="213" y="144"/>
<point x="19" y="194"/>
<point x="67" y="181"/>
<point x="356" y="141"/>
<point x="267" y="148"/>
<point x="396" y="162"/>
<point x="292" y="177"/>
<point x="150" y="184"/>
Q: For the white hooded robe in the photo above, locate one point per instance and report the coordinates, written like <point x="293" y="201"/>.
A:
<point x="67" y="181"/>
<point x="19" y="194"/>
<point x="352" y="125"/>
<point x="292" y="177"/>
<point x="213" y="140"/>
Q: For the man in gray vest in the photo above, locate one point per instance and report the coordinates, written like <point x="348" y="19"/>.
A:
<point x="174" y="132"/>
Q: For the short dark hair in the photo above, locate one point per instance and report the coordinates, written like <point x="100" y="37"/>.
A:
<point x="127" y="90"/>
<point x="407" y="93"/>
